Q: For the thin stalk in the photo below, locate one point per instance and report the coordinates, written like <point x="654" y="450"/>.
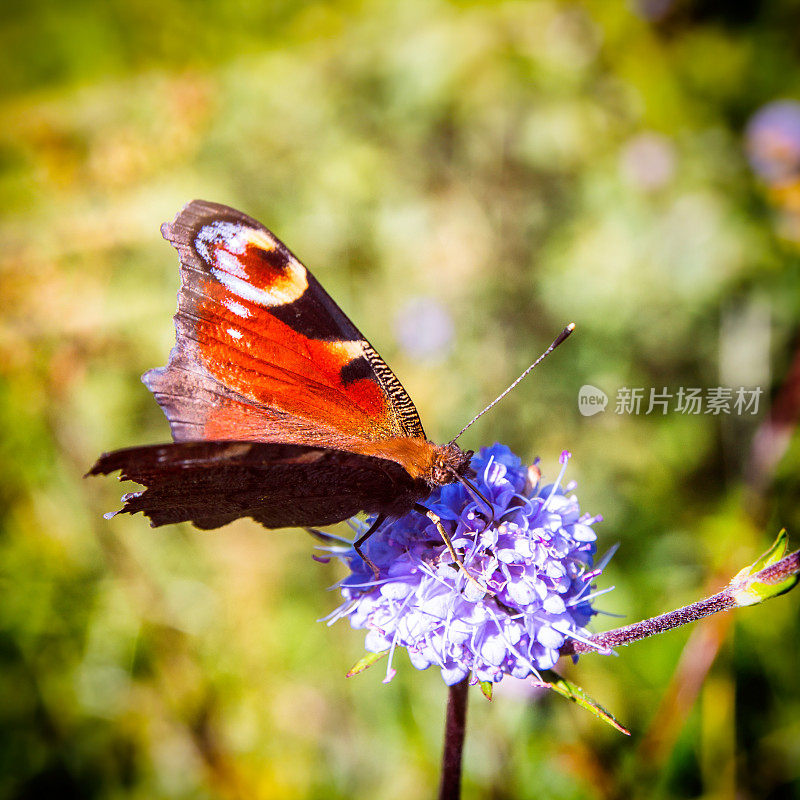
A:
<point x="455" y="726"/>
<point x="722" y="601"/>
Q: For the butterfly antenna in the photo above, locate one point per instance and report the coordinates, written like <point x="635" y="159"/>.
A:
<point x="556" y="342"/>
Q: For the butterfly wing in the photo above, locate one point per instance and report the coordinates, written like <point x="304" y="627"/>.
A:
<point x="212" y="483"/>
<point x="280" y="409"/>
<point x="262" y="352"/>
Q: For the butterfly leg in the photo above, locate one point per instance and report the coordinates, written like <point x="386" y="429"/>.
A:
<point x="437" y="521"/>
<point x="379" y="520"/>
<point x="475" y="494"/>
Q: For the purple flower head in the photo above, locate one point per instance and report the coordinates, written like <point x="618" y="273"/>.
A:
<point x="533" y="553"/>
<point x="773" y="140"/>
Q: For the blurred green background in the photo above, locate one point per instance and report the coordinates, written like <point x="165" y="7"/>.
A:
<point x="491" y="171"/>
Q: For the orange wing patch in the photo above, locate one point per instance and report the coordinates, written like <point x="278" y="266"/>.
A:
<point x="265" y="361"/>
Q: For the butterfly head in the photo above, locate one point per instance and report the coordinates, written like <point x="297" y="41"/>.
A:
<point x="449" y="462"/>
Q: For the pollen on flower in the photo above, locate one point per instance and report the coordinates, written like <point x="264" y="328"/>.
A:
<point x="534" y="554"/>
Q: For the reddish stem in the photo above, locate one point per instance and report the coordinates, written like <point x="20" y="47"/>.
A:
<point x="455" y="726"/>
<point x="722" y="601"/>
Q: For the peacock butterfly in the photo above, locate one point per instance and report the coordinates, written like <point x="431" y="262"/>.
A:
<point x="280" y="409"/>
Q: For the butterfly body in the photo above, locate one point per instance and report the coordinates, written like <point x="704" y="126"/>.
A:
<point x="279" y="408"/>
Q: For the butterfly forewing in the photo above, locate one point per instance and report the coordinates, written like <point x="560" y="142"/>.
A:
<point x="262" y="352"/>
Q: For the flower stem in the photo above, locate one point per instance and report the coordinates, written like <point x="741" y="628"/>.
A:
<point x="455" y="726"/>
<point x="722" y="601"/>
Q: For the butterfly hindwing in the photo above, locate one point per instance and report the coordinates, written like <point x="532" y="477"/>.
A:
<point x="213" y="483"/>
<point x="262" y="352"/>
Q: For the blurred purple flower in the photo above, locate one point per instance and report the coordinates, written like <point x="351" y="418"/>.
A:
<point x="424" y="328"/>
<point x="773" y="140"/>
<point x="534" y="557"/>
<point x="651" y="10"/>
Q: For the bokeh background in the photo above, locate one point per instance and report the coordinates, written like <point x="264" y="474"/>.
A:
<point x="483" y="171"/>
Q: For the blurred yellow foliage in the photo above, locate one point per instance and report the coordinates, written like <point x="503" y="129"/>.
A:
<point x="514" y="166"/>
